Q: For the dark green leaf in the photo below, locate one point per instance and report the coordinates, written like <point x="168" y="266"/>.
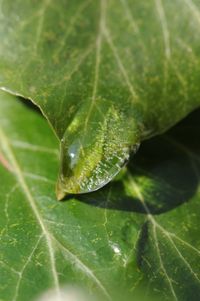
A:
<point x="106" y="74"/>
<point x="139" y="233"/>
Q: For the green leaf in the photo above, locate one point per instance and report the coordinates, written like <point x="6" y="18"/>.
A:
<point x="45" y="243"/>
<point x="138" y="234"/>
<point x="106" y="74"/>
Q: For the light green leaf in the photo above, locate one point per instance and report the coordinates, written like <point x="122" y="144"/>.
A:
<point x="139" y="233"/>
<point x="106" y="74"/>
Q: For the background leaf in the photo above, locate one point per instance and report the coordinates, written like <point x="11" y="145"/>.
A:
<point x="106" y="74"/>
<point x="139" y="233"/>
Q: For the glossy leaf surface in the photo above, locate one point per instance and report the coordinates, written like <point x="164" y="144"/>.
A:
<point x="106" y="74"/>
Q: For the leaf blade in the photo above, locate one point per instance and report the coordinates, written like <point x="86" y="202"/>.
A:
<point x="104" y="85"/>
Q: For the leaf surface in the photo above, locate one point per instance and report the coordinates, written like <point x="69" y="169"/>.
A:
<point x="139" y="233"/>
<point x="106" y="74"/>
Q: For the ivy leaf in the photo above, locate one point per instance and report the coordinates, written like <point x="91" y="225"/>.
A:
<point x="45" y="244"/>
<point x="106" y="74"/>
<point x="140" y="232"/>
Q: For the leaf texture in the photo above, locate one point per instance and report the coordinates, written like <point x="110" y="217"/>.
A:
<point x="106" y="74"/>
<point x="139" y="233"/>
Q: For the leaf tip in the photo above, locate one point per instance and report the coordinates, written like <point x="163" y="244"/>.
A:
<point x="60" y="194"/>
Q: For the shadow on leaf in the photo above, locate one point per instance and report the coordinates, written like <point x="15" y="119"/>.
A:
<point x="163" y="174"/>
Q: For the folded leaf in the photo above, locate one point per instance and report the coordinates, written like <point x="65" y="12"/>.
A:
<point x="106" y="74"/>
